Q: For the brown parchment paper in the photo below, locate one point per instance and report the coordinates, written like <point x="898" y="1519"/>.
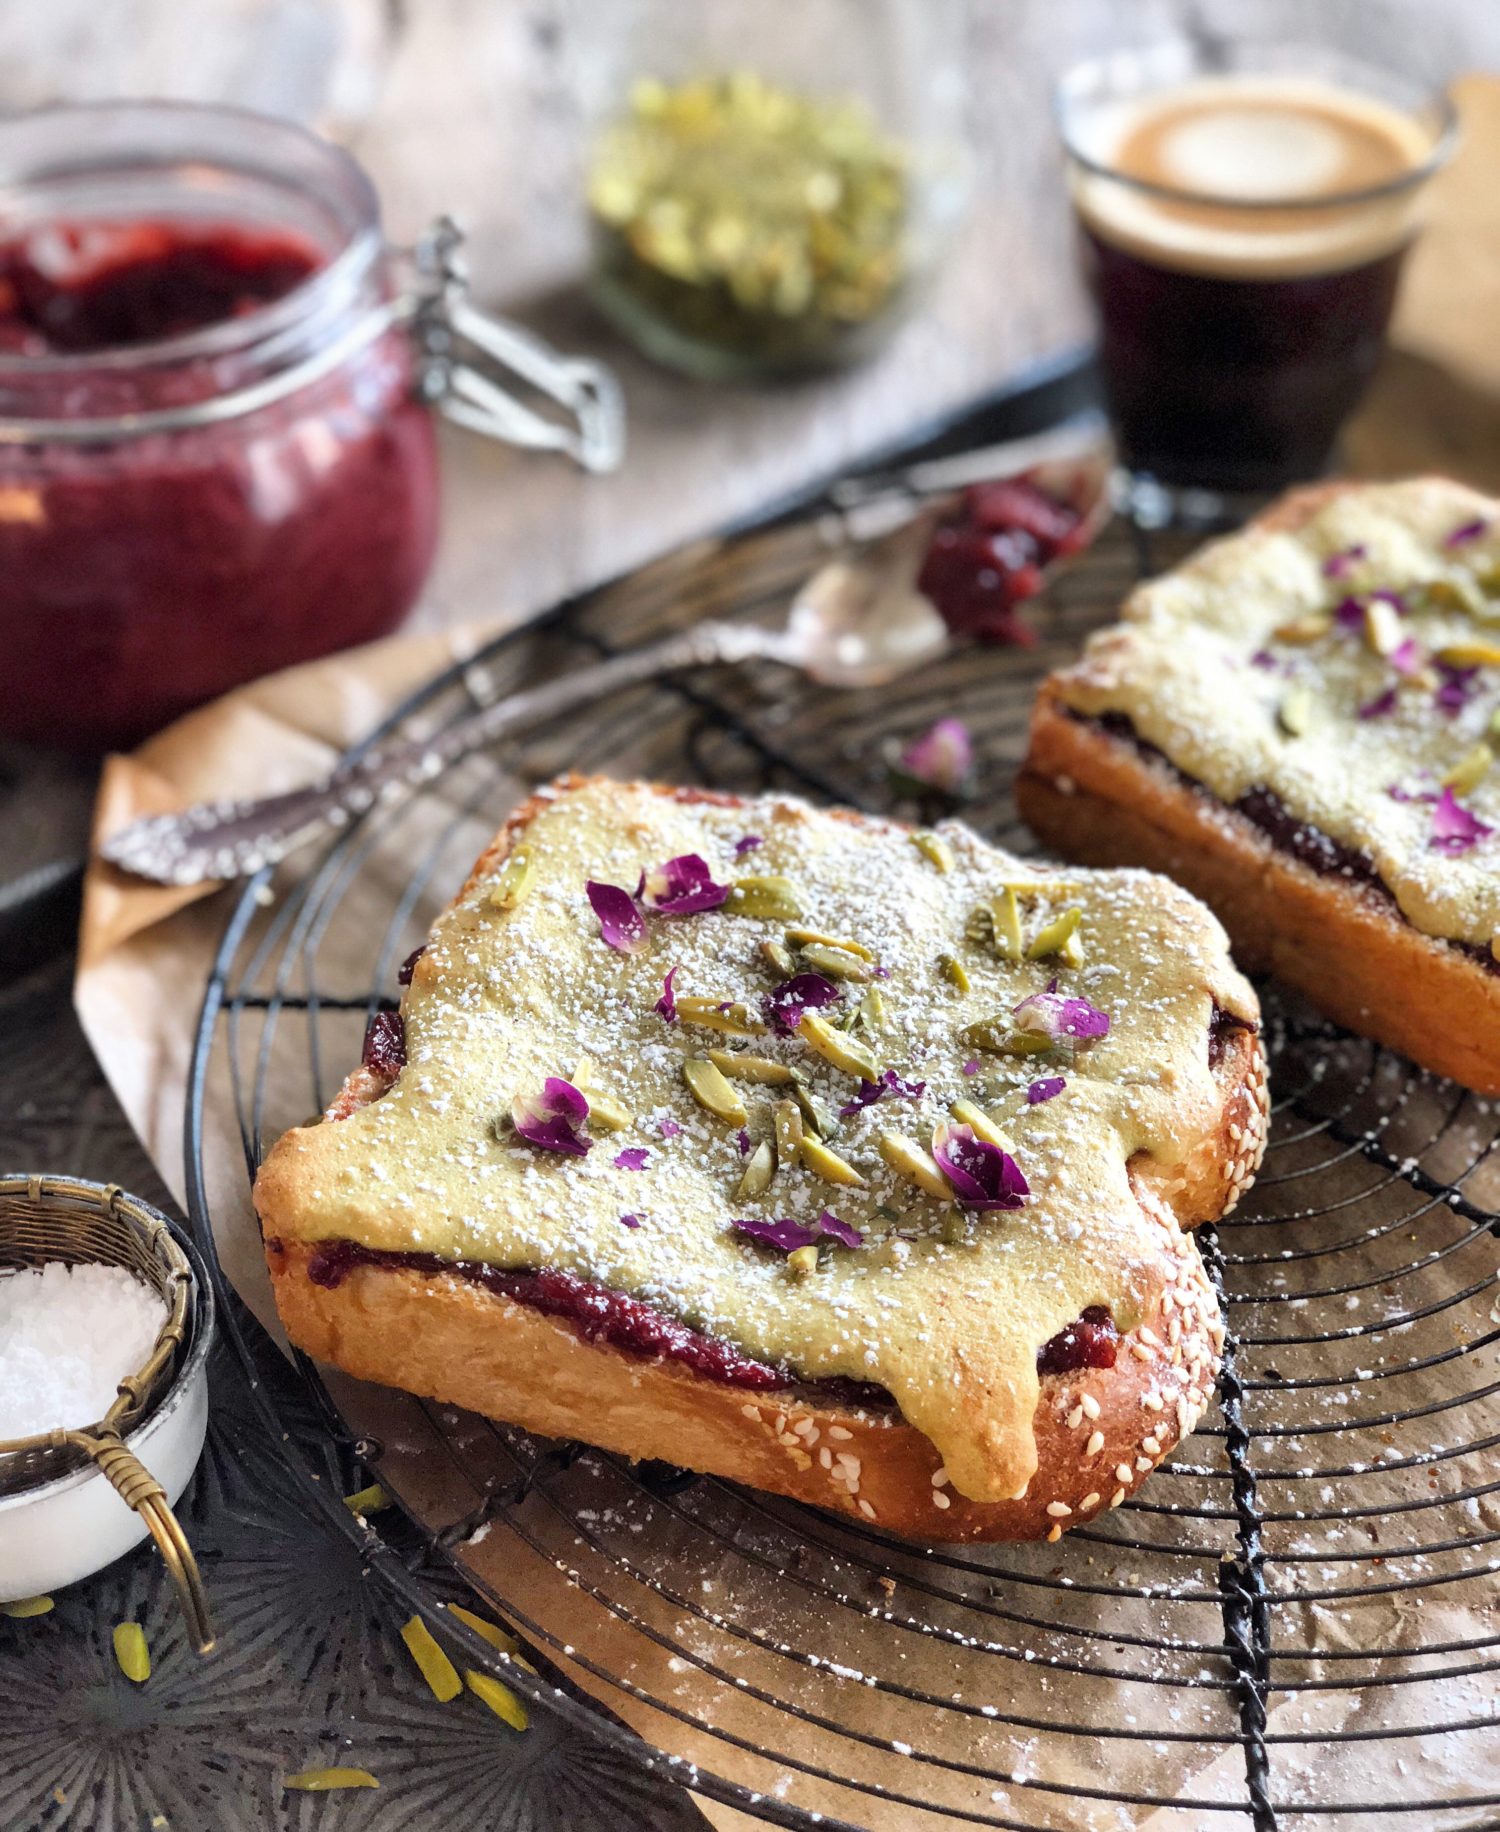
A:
<point x="143" y="959"/>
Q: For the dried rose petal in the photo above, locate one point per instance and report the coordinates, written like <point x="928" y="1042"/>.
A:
<point x="683" y="886"/>
<point x="983" y="1175"/>
<point x="670" y="1129"/>
<point x="872" y="1091"/>
<point x="747" y="844"/>
<point x="552" y="1121"/>
<point x="1263" y="658"/>
<point x="1349" y="613"/>
<point x="632" y="1158"/>
<point x="1045" y="1089"/>
<point x="385" y="1044"/>
<point x="1340" y="565"/>
<point x="1399" y="794"/>
<point x="1052" y="1015"/>
<point x="841" y="1231"/>
<point x="1406" y="657"/>
<point x="942" y="758"/>
<point x="1457" y="688"/>
<point x="1466" y="531"/>
<point x="666" y="1005"/>
<point x="745" y="1142"/>
<point x="1395" y="599"/>
<point x="1454" y="828"/>
<point x="1381" y="705"/>
<point x="971" y="1067"/>
<point x="786" y="1234"/>
<point x="408" y="966"/>
<point x="630" y="1221"/>
<point x="620" y="922"/>
<point x="785" y="1004"/>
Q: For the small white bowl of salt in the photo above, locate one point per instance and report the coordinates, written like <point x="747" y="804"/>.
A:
<point x="105" y="1325"/>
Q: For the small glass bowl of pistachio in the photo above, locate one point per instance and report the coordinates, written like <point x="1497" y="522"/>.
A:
<point x="750" y="221"/>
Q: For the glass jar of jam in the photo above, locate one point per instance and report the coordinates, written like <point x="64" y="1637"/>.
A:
<point x="217" y="454"/>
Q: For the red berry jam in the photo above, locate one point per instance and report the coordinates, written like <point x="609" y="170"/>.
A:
<point x="987" y="557"/>
<point x="385" y="1045"/>
<point x="143" y="572"/>
<point x="1090" y="1342"/>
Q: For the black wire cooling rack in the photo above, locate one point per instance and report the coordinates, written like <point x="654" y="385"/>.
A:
<point x="1294" y="1625"/>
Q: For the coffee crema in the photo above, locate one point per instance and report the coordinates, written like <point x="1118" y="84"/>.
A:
<point x="1249" y="162"/>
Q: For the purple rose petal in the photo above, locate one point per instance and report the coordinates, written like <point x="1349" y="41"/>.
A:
<point x="745" y="1142"/>
<point x="1398" y="794"/>
<point x="841" y="1231"/>
<point x="632" y="1158"/>
<point x="670" y="1129"/>
<point x="1046" y="1089"/>
<point x="1454" y="828"/>
<point x="1466" y="531"/>
<point x="1381" y="705"/>
<point x="666" y="1005"/>
<point x="1263" y="658"/>
<point x="983" y="1175"/>
<point x="942" y="758"/>
<point x="747" y="844"/>
<point x="630" y="1221"/>
<point x="1340" y="565"/>
<point x="1395" y="599"/>
<point x="872" y="1091"/>
<point x="1055" y="1016"/>
<point x="683" y="886"/>
<point x="620" y="922"/>
<point x="786" y="1234"/>
<point x="785" y="1004"/>
<point x="1457" y="688"/>
<point x="1349" y="614"/>
<point x="1406" y="657"/>
<point x="552" y="1121"/>
<point x="971" y="1067"/>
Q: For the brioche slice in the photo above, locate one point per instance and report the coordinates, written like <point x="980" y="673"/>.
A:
<point x="744" y="1256"/>
<point x="1299" y="726"/>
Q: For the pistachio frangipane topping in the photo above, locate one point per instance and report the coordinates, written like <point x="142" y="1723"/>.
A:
<point x="1349" y="666"/>
<point x="905" y="1274"/>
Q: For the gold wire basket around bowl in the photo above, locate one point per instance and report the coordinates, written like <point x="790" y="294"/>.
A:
<point x="64" y="1219"/>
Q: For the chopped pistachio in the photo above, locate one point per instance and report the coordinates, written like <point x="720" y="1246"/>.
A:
<point x="583" y="1074"/>
<point x="777" y="958"/>
<point x="1471" y="770"/>
<point x="980" y="1124"/>
<point x="1294" y="715"/>
<point x="935" y="849"/>
<point x="726" y="1015"/>
<point x="954" y="1228"/>
<point x="1304" y="629"/>
<point x="837" y="1047"/>
<point x="1382" y="626"/>
<point x="740" y="1067"/>
<point x="604" y="1110"/>
<point x="131" y="1652"/>
<point x="1001" y="1038"/>
<point x="788" y="1118"/>
<point x="709" y="1088"/>
<point x="1493" y="728"/>
<point x="953" y="971"/>
<point x="500" y="1699"/>
<point x="835" y="963"/>
<point x="431" y="1661"/>
<point x="487" y="1631"/>
<point x="367" y="1500"/>
<point x="799" y="938"/>
<point x="816" y="1118"/>
<point x="1470" y="655"/>
<point x="512" y="881"/>
<point x="826" y="1163"/>
<point x="24" y="1608"/>
<point x="759" y="1171"/>
<point x="771" y="898"/>
<point x="907" y="1158"/>
<point x="1005" y="914"/>
<point x="1055" y="935"/>
<point x="872" y="1011"/>
<point x="1451" y="595"/>
<point x="329" y="1780"/>
<point x="802" y="1261"/>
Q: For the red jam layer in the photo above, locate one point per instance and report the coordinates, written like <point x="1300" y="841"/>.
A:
<point x="143" y="575"/>
<point x="1090" y="1342"/>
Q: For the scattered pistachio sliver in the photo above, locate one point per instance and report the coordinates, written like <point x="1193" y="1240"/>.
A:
<point x="1055" y="935"/>
<point x="432" y="1663"/>
<point x="980" y="1124"/>
<point x="604" y="1110"/>
<point x="953" y="971"/>
<point x="1294" y="715"/>
<point x="1470" y="654"/>
<point x="872" y="1011"/>
<point x="512" y="881"/>
<point x="835" y="963"/>
<point x="802" y="1261"/>
<point x="759" y="1171"/>
<point x="799" y="938"/>
<point x="770" y="898"/>
<point x="1001" y="1038"/>
<point x="935" y="849"/>
<point x="1493" y="728"/>
<point x="488" y="1631"/>
<point x="826" y="1163"/>
<point x="367" y="1500"/>
<point x="131" y="1652"/>
<point x="815" y="1116"/>
<point x="500" y="1699"/>
<point x="1470" y="770"/>
<point x="777" y="958"/>
<point x="1005" y="913"/>
<point x="837" y="1047"/>
<point x="1303" y="629"/>
<point x="24" y="1608"/>
<point x="583" y="1074"/>
<point x="726" y="1015"/>
<point x="1382" y="626"/>
<point x="907" y="1158"/>
<point x="1451" y="595"/>
<point x="327" y="1780"/>
<point x="712" y="1092"/>
<point x="750" y="1068"/>
<point x="789" y="1133"/>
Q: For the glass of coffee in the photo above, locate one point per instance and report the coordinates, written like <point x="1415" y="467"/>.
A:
<point x="1244" y="211"/>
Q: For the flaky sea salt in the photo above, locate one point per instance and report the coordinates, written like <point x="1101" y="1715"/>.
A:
<point x="68" y="1337"/>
